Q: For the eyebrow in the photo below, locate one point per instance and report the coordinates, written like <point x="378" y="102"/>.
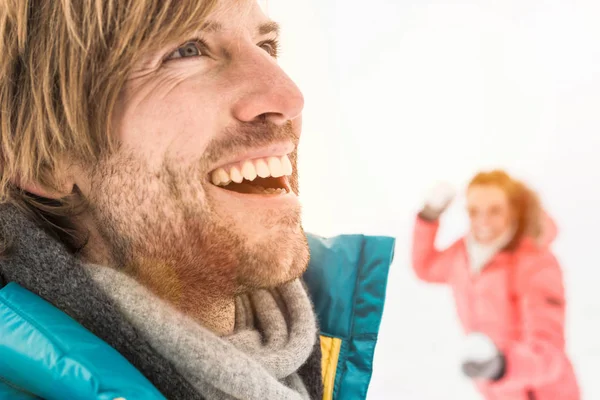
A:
<point x="211" y="27"/>
<point x="269" y="27"/>
<point x="263" y="29"/>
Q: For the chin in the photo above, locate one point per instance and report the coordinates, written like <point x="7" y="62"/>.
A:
<point x="270" y="247"/>
<point x="486" y="240"/>
<point x="277" y="258"/>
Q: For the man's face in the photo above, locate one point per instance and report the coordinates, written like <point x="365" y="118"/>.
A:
<point x="213" y="109"/>
<point x="489" y="212"/>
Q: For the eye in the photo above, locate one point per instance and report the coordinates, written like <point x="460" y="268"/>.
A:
<point x="193" y="48"/>
<point x="270" y="46"/>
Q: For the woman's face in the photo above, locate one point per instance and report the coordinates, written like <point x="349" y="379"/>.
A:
<point x="489" y="212"/>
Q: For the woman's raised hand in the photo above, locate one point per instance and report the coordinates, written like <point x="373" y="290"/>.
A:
<point x="437" y="201"/>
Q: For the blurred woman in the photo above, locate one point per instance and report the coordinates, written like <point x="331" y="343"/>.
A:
<point x="507" y="286"/>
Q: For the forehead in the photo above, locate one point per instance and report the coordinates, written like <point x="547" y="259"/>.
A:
<point x="484" y="195"/>
<point x="235" y="15"/>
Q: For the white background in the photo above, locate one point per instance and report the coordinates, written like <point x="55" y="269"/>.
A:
<point x="403" y="93"/>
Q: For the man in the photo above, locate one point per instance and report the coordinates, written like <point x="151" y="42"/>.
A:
<point x="150" y="196"/>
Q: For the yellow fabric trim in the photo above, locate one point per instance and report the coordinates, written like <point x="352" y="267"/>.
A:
<point x="330" y="349"/>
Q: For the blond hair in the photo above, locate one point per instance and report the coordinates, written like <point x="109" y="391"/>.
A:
<point x="63" y="64"/>
<point x="524" y="203"/>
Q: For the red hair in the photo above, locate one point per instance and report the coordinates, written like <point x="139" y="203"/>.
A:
<point x="524" y="203"/>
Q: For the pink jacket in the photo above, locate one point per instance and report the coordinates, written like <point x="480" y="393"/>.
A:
<point x="518" y="301"/>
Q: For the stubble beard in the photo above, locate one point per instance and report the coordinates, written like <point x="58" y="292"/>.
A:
<point x="163" y="229"/>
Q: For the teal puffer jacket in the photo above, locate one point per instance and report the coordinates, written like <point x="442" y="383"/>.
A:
<point x="46" y="354"/>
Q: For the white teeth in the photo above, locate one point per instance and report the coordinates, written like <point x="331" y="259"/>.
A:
<point x="262" y="169"/>
<point x="236" y="175"/>
<point x="214" y="177"/>
<point x="249" y="171"/>
<point x="275" y="191"/>
<point x="286" y="165"/>
<point x="275" y="167"/>
<point x="220" y="177"/>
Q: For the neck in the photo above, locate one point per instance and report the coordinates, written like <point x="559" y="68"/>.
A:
<point x="217" y="315"/>
<point x="208" y="306"/>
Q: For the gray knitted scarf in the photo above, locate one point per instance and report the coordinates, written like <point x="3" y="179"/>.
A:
<point x="274" y="335"/>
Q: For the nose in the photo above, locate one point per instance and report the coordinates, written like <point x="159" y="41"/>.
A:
<point x="484" y="221"/>
<point x="267" y="93"/>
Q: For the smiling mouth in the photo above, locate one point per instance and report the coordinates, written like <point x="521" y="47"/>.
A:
<point x="265" y="176"/>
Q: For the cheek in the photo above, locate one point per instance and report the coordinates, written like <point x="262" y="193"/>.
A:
<point x="178" y="124"/>
<point x="502" y="222"/>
